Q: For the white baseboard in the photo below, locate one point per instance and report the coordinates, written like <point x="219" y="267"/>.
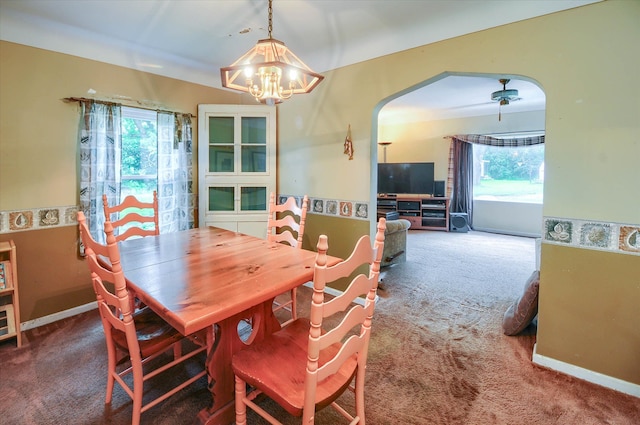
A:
<point x="586" y="374"/>
<point x="507" y="232"/>
<point x="45" y="320"/>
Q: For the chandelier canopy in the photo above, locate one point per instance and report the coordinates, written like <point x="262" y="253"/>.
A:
<point x="260" y="71"/>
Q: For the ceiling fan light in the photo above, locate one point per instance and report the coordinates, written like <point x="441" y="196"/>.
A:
<point x="509" y="94"/>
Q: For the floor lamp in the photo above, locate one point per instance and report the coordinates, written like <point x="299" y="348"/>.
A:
<point x="384" y="148"/>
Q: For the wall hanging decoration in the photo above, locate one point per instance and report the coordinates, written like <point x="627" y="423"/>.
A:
<point x="348" y="144"/>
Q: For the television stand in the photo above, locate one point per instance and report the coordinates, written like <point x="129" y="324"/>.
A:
<point x="424" y="212"/>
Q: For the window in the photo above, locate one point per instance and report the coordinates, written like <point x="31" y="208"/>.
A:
<point x="512" y="174"/>
<point x="154" y="154"/>
<point x="139" y="153"/>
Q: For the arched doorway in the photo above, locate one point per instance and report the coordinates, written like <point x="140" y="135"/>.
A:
<point x="415" y="122"/>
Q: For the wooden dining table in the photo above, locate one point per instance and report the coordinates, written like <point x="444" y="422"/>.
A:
<point x="210" y="279"/>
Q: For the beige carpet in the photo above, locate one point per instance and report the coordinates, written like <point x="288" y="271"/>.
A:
<point x="437" y="356"/>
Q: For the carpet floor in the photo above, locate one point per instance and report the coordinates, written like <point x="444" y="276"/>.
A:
<point x="437" y="354"/>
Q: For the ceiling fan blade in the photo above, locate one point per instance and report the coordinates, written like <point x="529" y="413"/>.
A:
<point x="472" y="105"/>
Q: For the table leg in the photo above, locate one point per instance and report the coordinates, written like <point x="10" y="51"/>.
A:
<point x="227" y="342"/>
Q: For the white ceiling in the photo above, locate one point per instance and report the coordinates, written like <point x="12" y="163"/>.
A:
<point x="191" y="39"/>
<point x="458" y="96"/>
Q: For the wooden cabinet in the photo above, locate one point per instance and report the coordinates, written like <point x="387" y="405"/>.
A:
<point x="425" y="213"/>
<point x="9" y="302"/>
<point x="237" y="166"/>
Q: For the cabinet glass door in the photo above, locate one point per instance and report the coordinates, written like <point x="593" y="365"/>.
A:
<point x="221" y="144"/>
<point x="253" y="198"/>
<point x="221" y="198"/>
<point x="254" y="145"/>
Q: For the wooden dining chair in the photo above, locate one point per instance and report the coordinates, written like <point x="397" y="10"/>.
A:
<point x="133" y="217"/>
<point x="306" y="366"/>
<point x="133" y="338"/>
<point x="286" y="225"/>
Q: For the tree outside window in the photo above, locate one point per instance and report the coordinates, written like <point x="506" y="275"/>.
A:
<point x="514" y="174"/>
<point x="139" y="153"/>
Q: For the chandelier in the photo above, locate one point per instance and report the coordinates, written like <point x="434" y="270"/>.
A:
<point x="260" y="71"/>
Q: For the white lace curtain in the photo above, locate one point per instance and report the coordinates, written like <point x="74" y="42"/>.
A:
<point x="100" y="148"/>
<point x="175" y="172"/>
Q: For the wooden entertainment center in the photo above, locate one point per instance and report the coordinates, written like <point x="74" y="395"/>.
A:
<point x="424" y="212"/>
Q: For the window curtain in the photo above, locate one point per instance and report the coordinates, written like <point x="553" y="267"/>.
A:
<point x="450" y="172"/>
<point x="175" y="172"/>
<point x="462" y="196"/>
<point x="100" y="146"/>
<point x="460" y="173"/>
<point x="495" y="141"/>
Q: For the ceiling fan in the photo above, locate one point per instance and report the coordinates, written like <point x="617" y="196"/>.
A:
<point x="504" y="96"/>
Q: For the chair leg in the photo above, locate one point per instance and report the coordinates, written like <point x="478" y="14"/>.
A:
<point x="111" y="372"/>
<point x="294" y="310"/>
<point x="138" y="385"/>
<point x="177" y="350"/>
<point x="359" y="396"/>
<point x="110" y="384"/>
<point x="241" y="408"/>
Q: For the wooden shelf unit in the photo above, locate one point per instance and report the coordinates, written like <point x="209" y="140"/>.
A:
<point x="9" y="301"/>
<point x="424" y="212"/>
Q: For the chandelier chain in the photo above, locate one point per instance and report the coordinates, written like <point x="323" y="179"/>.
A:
<point x="270" y="28"/>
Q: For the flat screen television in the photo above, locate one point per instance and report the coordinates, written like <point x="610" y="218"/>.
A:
<point x="406" y="177"/>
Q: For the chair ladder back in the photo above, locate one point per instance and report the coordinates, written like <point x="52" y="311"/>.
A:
<point x="132" y="209"/>
<point x="350" y="359"/>
<point x="115" y="308"/>
<point x="351" y="347"/>
<point x="286" y="223"/>
<point x="88" y="242"/>
<point x="120" y="299"/>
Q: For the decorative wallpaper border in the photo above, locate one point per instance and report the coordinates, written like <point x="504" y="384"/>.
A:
<point x="38" y="218"/>
<point x="48" y="217"/>
<point x="590" y="234"/>
<point x="586" y="234"/>
<point x="358" y="210"/>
